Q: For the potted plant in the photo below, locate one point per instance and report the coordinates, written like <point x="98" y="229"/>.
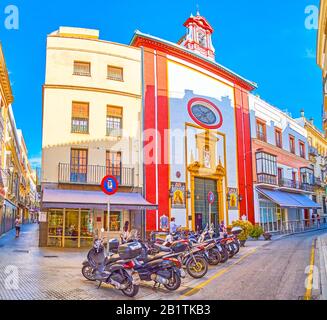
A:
<point x="256" y="232"/>
<point x="247" y="227"/>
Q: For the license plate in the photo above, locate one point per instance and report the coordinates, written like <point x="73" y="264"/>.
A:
<point x="136" y="278"/>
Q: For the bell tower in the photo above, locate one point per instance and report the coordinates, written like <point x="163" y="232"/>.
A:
<point x="198" y="37"/>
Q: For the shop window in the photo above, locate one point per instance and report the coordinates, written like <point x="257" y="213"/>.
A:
<point x="82" y="68"/>
<point x="55" y="228"/>
<point x="114" y="121"/>
<point x="80" y="117"/>
<point x="115" y="73"/>
<point x="115" y="221"/>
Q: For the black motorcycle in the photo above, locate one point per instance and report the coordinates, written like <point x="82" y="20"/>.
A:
<point x="116" y="270"/>
<point x="88" y="270"/>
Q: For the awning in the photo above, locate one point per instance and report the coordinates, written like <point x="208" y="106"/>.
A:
<point x="288" y="199"/>
<point x="77" y="199"/>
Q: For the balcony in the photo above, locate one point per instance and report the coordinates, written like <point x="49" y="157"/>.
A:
<point x="313" y="151"/>
<point x="266" y="179"/>
<point x="288" y="183"/>
<point x="291" y="184"/>
<point x="93" y="175"/>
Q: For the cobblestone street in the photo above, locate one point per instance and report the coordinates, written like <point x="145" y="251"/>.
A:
<point x="52" y="274"/>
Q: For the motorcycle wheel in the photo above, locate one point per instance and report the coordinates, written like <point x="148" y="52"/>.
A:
<point x="174" y="282"/>
<point x="238" y="247"/>
<point x="197" y="269"/>
<point x="214" y="257"/>
<point x="131" y="291"/>
<point x="88" y="273"/>
<point x="224" y="255"/>
<point x="231" y="253"/>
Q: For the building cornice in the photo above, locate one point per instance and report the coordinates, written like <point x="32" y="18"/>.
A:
<point x="278" y="151"/>
<point x="92" y="89"/>
<point x="4" y="79"/>
<point x="144" y="40"/>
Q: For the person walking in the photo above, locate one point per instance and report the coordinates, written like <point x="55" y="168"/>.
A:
<point x="318" y="220"/>
<point x="18" y="225"/>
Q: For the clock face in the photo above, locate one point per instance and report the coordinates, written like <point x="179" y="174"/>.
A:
<point x="205" y="113"/>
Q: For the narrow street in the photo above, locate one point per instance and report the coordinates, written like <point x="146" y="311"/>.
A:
<point x="262" y="270"/>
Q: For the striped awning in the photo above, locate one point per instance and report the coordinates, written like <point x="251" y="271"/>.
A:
<point x="288" y="199"/>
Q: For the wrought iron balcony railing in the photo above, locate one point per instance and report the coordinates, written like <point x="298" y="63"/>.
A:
<point x="93" y="174"/>
<point x="266" y="179"/>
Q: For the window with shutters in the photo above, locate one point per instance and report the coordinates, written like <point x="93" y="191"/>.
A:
<point x="80" y="117"/>
<point x="115" y="73"/>
<point x="82" y="68"/>
<point x="114" y="164"/>
<point x="114" y="121"/>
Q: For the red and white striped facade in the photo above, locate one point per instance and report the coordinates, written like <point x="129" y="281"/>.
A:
<point x="197" y="111"/>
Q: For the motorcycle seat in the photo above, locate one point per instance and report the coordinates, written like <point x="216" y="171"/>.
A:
<point x="161" y="248"/>
<point x="155" y="257"/>
<point x="113" y="258"/>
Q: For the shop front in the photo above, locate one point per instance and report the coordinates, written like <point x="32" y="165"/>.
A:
<point x="7" y="216"/>
<point x="74" y="218"/>
<point x="281" y="210"/>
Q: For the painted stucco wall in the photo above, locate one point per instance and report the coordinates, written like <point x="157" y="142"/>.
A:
<point x="186" y="83"/>
<point x="62" y="88"/>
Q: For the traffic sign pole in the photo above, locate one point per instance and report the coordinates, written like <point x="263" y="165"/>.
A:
<point x="108" y="224"/>
<point x="209" y="215"/>
<point x="109" y="186"/>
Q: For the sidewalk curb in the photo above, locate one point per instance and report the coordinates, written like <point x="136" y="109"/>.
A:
<point x="296" y="233"/>
<point x="322" y="268"/>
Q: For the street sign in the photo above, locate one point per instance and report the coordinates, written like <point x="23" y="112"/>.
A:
<point x="211" y="197"/>
<point x="109" y="185"/>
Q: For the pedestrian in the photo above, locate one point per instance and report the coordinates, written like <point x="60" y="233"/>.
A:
<point x="318" y="220"/>
<point x="173" y="226"/>
<point x="125" y="233"/>
<point x="18" y="224"/>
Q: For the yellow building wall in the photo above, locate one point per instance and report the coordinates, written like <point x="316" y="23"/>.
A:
<point x="62" y="88"/>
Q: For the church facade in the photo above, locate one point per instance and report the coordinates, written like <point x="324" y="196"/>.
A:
<point x="197" y="137"/>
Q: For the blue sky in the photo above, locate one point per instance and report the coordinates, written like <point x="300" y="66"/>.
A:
<point x="263" y="40"/>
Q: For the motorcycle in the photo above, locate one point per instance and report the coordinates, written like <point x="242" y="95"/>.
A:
<point x="189" y="257"/>
<point x="116" y="270"/>
<point x="164" y="269"/>
<point x="88" y="270"/>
